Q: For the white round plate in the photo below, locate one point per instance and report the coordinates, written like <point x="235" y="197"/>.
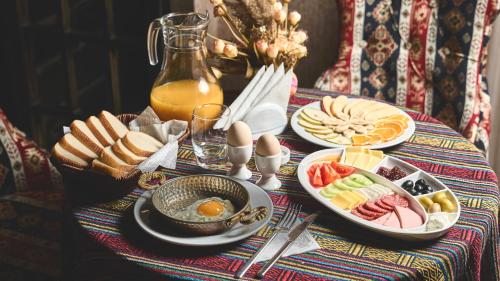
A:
<point x="413" y="173"/>
<point x="310" y="138"/>
<point x="258" y="197"/>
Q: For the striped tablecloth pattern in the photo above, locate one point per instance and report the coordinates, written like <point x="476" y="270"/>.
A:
<point x="113" y="245"/>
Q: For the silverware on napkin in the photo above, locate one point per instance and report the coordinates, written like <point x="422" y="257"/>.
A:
<point x="286" y="221"/>
<point x="292" y="237"/>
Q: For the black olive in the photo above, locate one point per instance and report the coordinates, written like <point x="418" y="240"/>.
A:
<point x="419" y="187"/>
<point x="418" y="193"/>
<point x="407" y="184"/>
<point x="421" y="182"/>
<point x="428" y="188"/>
<point x="412" y="191"/>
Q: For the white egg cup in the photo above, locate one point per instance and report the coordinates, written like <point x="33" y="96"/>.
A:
<point x="268" y="166"/>
<point x="239" y="157"/>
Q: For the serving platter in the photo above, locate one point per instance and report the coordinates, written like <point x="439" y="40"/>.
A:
<point x="308" y="136"/>
<point x="143" y="212"/>
<point x="416" y="233"/>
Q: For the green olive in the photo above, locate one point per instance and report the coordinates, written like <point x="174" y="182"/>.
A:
<point x="439" y="197"/>
<point x="447" y="206"/>
<point x="435" y="208"/>
<point x="426" y="202"/>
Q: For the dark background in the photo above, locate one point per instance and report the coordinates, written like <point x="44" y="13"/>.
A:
<point x="62" y="60"/>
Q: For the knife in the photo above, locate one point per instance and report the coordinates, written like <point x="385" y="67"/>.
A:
<point x="292" y="237"/>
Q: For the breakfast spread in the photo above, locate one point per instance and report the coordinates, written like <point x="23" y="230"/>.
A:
<point x="350" y="181"/>
<point x="204" y="210"/>
<point x="104" y="144"/>
<point x="355" y="122"/>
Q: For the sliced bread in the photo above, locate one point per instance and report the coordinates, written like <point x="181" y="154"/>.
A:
<point x="102" y="167"/>
<point x="99" y="131"/>
<point x="82" y="132"/>
<point x="141" y="144"/>
<point x="108" y="157"/>
<point x="126" y="155"/>
<point x="115" y="127"/>
<point x="68" y="158"/>
<point x="73" y="145"/>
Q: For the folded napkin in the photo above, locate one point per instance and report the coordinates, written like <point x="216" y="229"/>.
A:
<point x="304" y="243"/>
<point x="166" y="132"/>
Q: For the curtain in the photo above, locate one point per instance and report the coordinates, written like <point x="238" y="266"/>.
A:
<point x="493" y="74"/>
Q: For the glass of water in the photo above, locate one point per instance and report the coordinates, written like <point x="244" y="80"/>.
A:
<point x="208" y="136"/>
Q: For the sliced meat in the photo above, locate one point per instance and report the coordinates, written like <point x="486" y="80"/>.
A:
<point x="358" y="214"/>
<point x="383" y="219"/>
<point x="401" y="201"/>
<point x="373" y="207"/>
<point x="362" y="209"/>
<point x="384" y="206"/>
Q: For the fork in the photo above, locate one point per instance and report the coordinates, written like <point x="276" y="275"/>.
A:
<point x="286" y="221"/>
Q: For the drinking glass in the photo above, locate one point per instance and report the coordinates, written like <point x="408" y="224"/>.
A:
<point x="210" y="140"/>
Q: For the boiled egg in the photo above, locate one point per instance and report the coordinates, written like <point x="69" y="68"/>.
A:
<point x="267" y="145"/>
<point x="239" y="134"/>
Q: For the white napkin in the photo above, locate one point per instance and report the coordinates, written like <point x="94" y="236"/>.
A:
<point x="166" y="132"/>
<point x="304" y="243"/>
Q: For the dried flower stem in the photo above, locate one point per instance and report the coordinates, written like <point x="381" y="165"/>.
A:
<point x="233" y="29"/>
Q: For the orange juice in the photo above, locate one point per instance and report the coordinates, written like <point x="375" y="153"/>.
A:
<point x="176" y="100"/>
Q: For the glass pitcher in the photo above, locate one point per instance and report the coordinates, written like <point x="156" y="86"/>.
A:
<point x="185" y="80"/>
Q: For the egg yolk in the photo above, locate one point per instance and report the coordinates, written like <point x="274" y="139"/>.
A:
<point x="210" y="208"/>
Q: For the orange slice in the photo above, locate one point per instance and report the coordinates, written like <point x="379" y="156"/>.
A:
<point x="380" y="123"/>
<point x="398" y="117"/>
<point x="358" y="140"/>
<point x="390" y="124"/>
<point x="385" y="133"/>
<point x="374" y="138"/>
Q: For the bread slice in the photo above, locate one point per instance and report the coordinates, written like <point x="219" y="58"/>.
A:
<point x="108" y="157"/>
<point x="125" y="154"/>
<point x="103" y="168"/>
<point x="115" y="127"/>
<point x="141" y="143"/>
<point x="68" y="158"/>
<point x="73" y="145"/>
<point x="82" y="132"/>
<point x="99" y="131"/>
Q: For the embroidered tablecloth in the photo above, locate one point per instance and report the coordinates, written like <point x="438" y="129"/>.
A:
<point x="113" y="247"/>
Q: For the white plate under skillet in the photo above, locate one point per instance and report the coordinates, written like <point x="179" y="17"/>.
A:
<point x="143" y="210"/>
<point x="294" y="122"/>
<point x="413" y="173"/>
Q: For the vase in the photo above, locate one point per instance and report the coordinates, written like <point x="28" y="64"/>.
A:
<point x="295" y="84"/>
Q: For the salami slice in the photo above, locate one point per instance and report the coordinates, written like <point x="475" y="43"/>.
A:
<point x="358" y="214"/>
<point x="384" y="206"/>
<point x="395" y="200"/>
<point x="373" y="207"/>
<point x="401" y="201"/>
<point x="363" y="210"/>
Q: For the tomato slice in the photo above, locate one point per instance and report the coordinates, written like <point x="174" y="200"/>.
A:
<point x="328" y="174"/>
<point x="343" y="170"/>
<point x="316" y="180"/>
<point x="312" y="169"/>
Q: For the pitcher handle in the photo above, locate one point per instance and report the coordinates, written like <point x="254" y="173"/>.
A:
<point x="153" y="31"/>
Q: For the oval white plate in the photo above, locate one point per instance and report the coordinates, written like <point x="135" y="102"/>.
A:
<point x="258" y="197"/>
<point x="415" y="234"/>
<point x="310" y="138"/>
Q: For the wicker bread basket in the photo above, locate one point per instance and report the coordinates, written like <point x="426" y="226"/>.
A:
<point x="93" y="179"/>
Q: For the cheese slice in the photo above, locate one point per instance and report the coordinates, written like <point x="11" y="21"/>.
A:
<point x="351" y="153"/>
<point x="362" y="161"/>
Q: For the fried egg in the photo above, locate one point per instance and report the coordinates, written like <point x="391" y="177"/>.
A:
<point x="205" y="210"/>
